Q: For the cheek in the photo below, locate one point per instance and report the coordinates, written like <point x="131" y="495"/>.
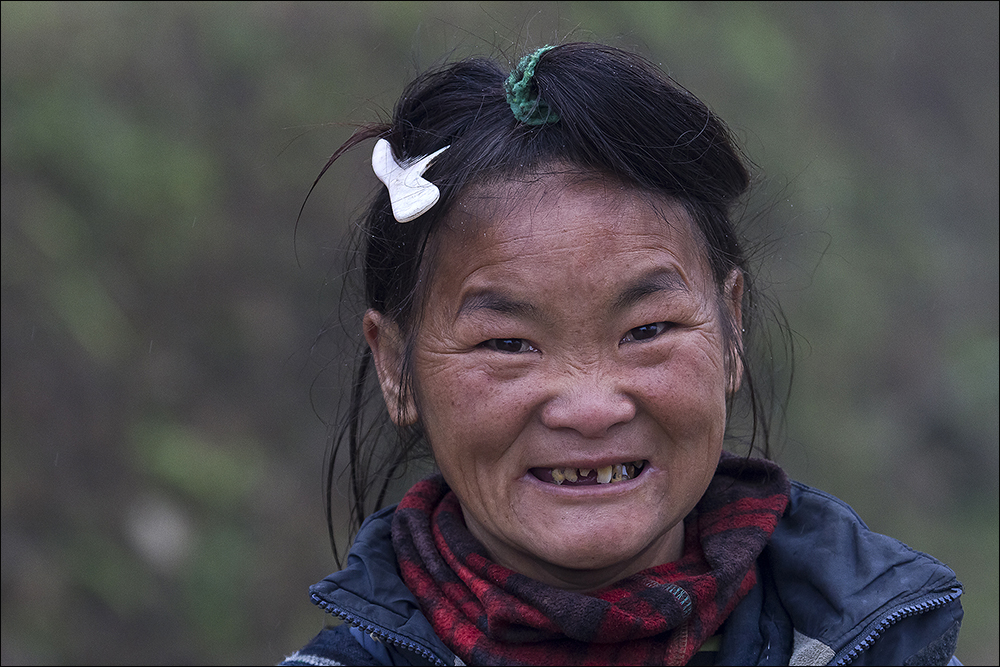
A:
<point x="466" y="411"/>
<point x="451" y="393"/>
<point x="688" y="392"/>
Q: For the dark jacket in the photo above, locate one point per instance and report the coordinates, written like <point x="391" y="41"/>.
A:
<point x="830" y="591"/>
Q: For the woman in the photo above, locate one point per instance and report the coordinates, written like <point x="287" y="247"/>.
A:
<point x="559" y="308"/>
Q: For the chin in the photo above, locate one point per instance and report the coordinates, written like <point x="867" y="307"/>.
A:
<point x="593" y="561"/>
<point x="601" y="551"/>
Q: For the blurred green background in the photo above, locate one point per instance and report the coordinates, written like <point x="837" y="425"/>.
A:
<point x="161" y="458"/>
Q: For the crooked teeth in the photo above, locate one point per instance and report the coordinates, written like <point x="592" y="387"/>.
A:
<point x="605" y="475"/>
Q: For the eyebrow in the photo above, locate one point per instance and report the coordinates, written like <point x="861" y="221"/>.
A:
<point x="496" y="302"/>
<point x="659" y="280"/>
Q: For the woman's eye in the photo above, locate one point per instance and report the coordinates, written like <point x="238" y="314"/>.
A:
<point x="645" y="332"/>
<point x="508" y="345"/>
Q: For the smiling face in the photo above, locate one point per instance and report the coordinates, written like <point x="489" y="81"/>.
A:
<point x="581" y="330"/>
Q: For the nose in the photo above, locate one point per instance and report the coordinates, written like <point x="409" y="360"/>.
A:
<point x="588" y="402"/>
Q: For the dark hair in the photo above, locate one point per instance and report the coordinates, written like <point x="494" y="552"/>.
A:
<point x="619" y="116"/>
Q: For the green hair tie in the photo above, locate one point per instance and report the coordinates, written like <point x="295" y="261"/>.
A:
<point x="529" y="109"/>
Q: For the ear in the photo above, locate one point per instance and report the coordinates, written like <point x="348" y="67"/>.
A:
<point x="386" y="343"/>
<point x="733" y="299"/>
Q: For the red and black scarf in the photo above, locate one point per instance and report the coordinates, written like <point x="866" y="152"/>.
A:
<point x="490" y="615"/>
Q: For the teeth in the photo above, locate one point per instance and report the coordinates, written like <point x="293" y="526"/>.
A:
<point x="611" y="473"/>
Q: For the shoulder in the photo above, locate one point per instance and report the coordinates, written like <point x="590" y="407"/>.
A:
<point x="856" y="595"/>
<point x="820" y="537"/>
<point x="332" y="646"/>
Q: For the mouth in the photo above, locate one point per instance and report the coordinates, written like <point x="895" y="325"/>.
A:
<point x="609" y="474"/>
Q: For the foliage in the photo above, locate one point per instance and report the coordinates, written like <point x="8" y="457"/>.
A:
<point x="161" y="458"/>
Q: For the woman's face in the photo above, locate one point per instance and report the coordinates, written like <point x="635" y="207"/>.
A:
<point x="578" y="334"/>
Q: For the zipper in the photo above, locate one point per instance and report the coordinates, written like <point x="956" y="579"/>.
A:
<point x="876" y="628"/>
<point x="378" y="633"/>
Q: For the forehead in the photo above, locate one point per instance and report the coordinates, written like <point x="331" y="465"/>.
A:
<point x="565" y="221"/>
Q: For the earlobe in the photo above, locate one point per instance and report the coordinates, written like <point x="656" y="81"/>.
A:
<point x="733" y="295"/>
<point x="386" y="343"/>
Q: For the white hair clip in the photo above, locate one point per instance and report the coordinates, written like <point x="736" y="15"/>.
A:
<point x="411" y="194"/>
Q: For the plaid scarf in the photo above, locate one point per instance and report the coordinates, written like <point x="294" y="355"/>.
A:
<point x="490" y="615"/>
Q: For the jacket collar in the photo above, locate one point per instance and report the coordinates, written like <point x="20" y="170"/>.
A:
<point x="370" y="594"/>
